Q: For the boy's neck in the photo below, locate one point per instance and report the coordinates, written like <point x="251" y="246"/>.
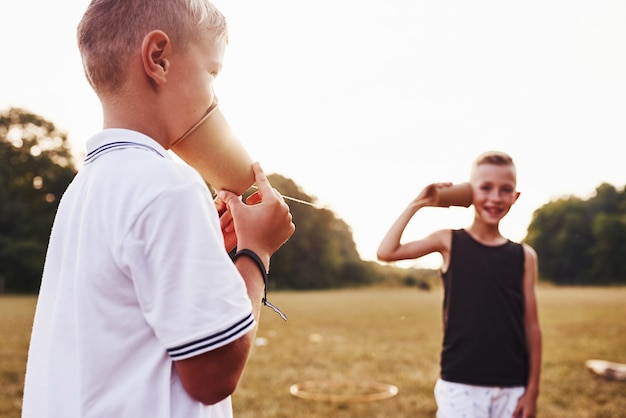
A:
<point x="486" y="234"/>
<point x="136" y="118"/>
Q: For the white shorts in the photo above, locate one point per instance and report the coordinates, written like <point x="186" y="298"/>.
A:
<point x="456" y="400"/>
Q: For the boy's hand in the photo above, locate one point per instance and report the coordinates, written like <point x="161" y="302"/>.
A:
<point x="526" y="407"/>
<point x="428" y="196"/>
<point x="226" y="220"/>
<point x="262" y="224"/>
<point x="226" y="225"/>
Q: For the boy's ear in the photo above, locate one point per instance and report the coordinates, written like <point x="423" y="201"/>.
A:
<point x="156" y="50"/>
<point x="516" y="197"/>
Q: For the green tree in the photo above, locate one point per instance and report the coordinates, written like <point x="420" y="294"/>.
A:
<point x="321" y="253"/>
<point x="582" y="241"/>
<point x="609" y="249"/>
<point x="607" y="200"/>
<point x="35" y="168"/>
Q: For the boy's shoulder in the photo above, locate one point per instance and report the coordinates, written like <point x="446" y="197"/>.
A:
<point x="130" y="160"/>
<point x="529" y="252"/>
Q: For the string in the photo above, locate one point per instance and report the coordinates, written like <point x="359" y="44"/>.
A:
<point x="293" y="199"/>
<point x="208" y="113"/>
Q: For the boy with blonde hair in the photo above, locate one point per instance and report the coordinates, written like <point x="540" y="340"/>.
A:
<point x="491" y="356"/>
<point x="141" y="311"/>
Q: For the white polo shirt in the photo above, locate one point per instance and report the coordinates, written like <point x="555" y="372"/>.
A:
<point x="136" y="276"/>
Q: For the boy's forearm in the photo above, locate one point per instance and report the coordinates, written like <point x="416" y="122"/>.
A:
<point x="534" y="373"/>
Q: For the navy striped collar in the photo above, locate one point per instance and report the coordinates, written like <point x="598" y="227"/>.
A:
<point x="105" y="142"/>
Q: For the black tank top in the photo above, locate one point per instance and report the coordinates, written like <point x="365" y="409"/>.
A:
<point x="483" y="310"/>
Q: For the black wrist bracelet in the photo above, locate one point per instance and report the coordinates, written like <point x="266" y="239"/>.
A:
<point x="254" y="257"/>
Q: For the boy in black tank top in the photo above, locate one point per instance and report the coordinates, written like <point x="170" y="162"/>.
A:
<point x="491" y="355"/>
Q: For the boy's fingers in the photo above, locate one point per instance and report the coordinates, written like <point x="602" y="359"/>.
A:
<point x="220" y="205"/>
<point x="262" y="182"/>
<point x="226" y="221"/>
<point x="226" y="197"/>
<point x="254" y="198"/>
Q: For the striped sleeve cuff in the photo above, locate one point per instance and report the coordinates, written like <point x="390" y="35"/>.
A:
<point x="213" y="341"/>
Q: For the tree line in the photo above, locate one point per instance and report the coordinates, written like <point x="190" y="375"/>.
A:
<point x="577" y="241"/>
<point x="36" y="166"/>
<point x="582" y="242"/>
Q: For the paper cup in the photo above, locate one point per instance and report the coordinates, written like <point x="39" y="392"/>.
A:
<point x="455" y="195"/>
<point x="211" y="148"/>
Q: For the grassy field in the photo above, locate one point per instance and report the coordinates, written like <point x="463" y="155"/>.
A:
<point x="389" y="336"/>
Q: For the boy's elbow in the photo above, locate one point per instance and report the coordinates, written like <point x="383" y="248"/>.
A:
<point x="212" y="394"/>
<point x="383" y="255"/>
<point x="213" y="376"/>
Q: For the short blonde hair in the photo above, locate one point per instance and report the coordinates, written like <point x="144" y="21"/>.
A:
<point x="492" y="157"/>
<point x="112" y="30"/>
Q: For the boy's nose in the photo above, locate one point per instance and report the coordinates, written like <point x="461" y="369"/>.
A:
<point x="495" y="195"/>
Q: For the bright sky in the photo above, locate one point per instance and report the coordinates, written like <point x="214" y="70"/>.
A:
<point x="363" y="103"/>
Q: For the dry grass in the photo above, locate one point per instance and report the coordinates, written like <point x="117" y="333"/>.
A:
<point x="390" y="336"/>
<point x="16" y="317"/>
